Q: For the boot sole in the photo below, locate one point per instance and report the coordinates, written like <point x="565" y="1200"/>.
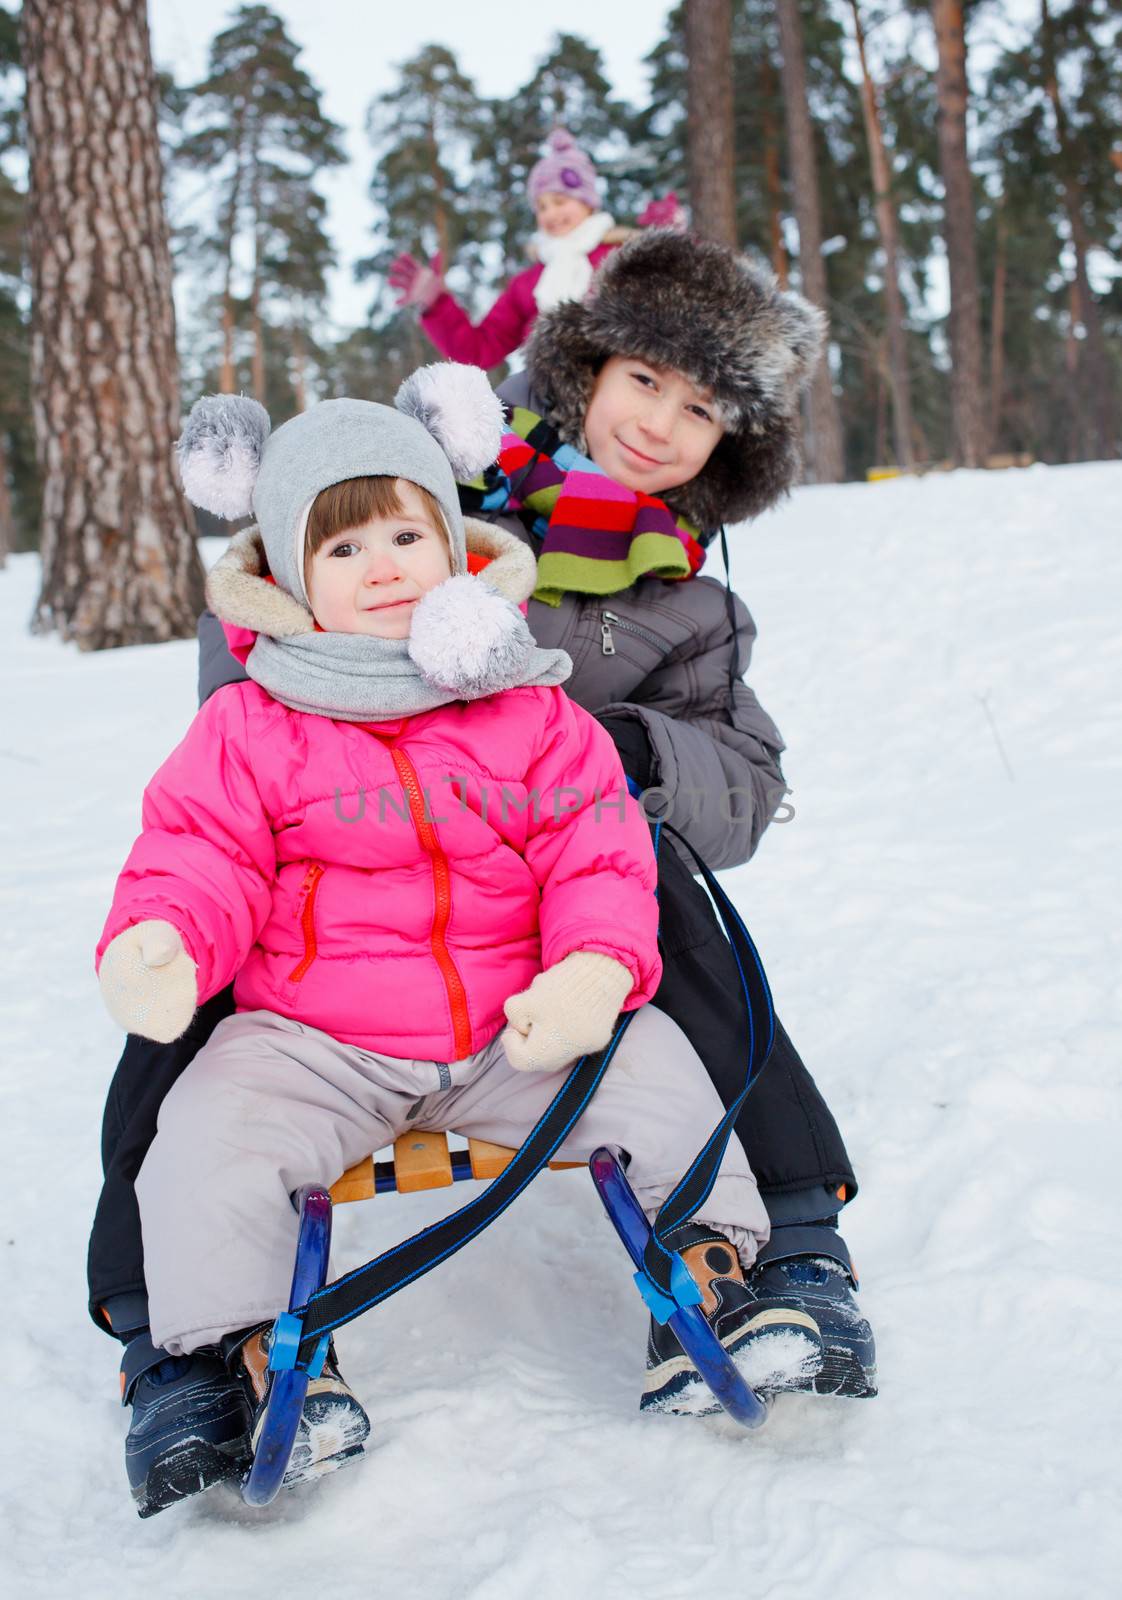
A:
<point x="330" y="1435"/>
<point x="194" y="1466"/>
<point x="843" y="1374"/>
<point x="677" y="1380"/>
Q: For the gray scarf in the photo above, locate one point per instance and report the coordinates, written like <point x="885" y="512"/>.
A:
<point x="467" y="638"/>
<point x="352" y="677"/>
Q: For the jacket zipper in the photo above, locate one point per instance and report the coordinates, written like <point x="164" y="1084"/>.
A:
<point x="442" y="907"/>
<point x="309" y="889"/>
<point x="608" y="619"/>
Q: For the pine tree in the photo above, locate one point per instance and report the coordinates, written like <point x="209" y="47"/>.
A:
<point x="709" y="119"/>
<point x="967" y="393"/>
<point x="885" y="206"/>
<point x="118" y="549"/>
<point x="19" y="483"/>
<point x="1075" y="29"/>
<point x="256" y="128"/>
<point x="824" y="432"/>
<point x="425" y="185"/>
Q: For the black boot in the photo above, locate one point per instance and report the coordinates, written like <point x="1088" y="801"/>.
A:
<point x="775" y="1345"/>
<point x="190" y="1426"/>
<point x="807" y="1267"/>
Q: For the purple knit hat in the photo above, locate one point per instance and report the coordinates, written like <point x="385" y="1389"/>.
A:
<point x="565" y="170"/>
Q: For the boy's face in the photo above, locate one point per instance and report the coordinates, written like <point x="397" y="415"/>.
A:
<point x="649" y="428"/>
<point x="559" y="213"/>
<point x="369" y="579"/>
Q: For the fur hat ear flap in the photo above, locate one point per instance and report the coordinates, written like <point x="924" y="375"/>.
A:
<point x="803" y="328"/>
<point x="460" y="409"/>
<point x="220" y="453"/>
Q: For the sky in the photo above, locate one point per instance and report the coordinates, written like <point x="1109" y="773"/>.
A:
<point x="351" y="51"/>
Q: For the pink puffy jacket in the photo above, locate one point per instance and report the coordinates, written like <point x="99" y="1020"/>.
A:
<point x="503" y="329"/>
<point x="393" y="883"/>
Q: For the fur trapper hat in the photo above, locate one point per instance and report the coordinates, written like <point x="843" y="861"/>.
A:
<point x="445" y="424"/>
<point x="720" y="319"/>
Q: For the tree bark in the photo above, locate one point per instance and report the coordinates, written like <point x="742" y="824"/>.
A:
<point x="1094" y="363"/>
<point x="709" y="120"/>
<point x="997" y="331"/>
<point x="827" y="452"/>
<point x="779" y="262"/>
<point x="7" y="520"/>
<point x="228" y="378"/>
<point x="967" y="400"/>
<point x="895" y="335"/>
<point x="118" y="549"/>
<point x="299" y="368"/>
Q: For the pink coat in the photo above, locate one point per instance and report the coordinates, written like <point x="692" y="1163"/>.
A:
<point x="505" y="326"/>
<point x="393" y="883"/>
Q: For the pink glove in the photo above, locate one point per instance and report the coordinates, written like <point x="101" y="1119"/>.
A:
<point x="417" y="285"/>
<point x="665" y="213"/>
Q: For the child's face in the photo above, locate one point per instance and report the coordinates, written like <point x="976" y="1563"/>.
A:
<point x="559" y="213"/>
<point x="649" y="428"/>
<point x="369" y="579"/>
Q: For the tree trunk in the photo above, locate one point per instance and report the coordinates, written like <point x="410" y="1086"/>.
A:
<point x="228" y="378"/>
<point x="997" y="331"/>
<point x="257" y="331"/>
<point x="967" y="403"/>
<point x="709" y="123"/>
<point x="1094" y="364"/>
<point x="7" y="521"/>
<point x="118" y="549"/>
<point x="779" y="263"/>
<point x="299" y="362"/>
<point x="826" y="449"/>
<point x="440" y="210"/>
<point x="886" y="223"/>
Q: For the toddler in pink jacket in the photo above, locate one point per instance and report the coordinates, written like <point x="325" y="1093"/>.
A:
<point x="418" y="862"/>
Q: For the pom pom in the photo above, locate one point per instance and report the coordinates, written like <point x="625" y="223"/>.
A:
<point x="460" y="409"/>
<point x="220" y="453"/>
<point x="469" y="640"/>
<point x="561" y="139"/>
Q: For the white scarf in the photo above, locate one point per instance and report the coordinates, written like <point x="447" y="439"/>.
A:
<point x="568" y="271"/>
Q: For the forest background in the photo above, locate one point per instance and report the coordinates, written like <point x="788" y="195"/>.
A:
<point x="249" y="152"/>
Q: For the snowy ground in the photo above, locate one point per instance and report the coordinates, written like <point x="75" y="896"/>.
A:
<point x="941" y="924"/>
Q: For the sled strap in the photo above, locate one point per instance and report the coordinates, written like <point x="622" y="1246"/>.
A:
<point x="348" y="1297"/>
<point x="691" y="1193"/>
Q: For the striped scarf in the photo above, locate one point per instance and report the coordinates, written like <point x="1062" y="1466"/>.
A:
<point x="597" y="537"/>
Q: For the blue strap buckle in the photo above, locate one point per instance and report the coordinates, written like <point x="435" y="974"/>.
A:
<point x="684" y="1292"/>
<point x="284" y="1347"/>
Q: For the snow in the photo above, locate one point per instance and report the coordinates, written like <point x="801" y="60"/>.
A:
<point x="940" y="921"/>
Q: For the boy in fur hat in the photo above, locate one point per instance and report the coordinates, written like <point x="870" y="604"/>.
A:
<point x="649" y="415"/>
<point x="415" y="859"/>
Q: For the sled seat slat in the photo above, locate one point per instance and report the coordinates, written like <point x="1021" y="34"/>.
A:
<point x="422" y="1160"/>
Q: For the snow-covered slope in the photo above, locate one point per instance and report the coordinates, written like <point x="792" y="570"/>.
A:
<point x="940" y="921"/>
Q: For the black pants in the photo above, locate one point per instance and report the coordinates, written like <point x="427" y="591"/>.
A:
<point x="790" y="1137"/>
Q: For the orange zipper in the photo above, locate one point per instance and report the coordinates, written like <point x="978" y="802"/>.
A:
<point x="308" y="889"/>
<point x="442" y="908"/>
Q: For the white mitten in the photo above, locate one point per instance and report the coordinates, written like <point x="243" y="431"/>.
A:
<point x="148" y="981"/>
<point x="567" y="1011"/>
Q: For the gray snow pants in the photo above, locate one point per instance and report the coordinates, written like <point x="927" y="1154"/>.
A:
<point x="270" y="1104"/>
